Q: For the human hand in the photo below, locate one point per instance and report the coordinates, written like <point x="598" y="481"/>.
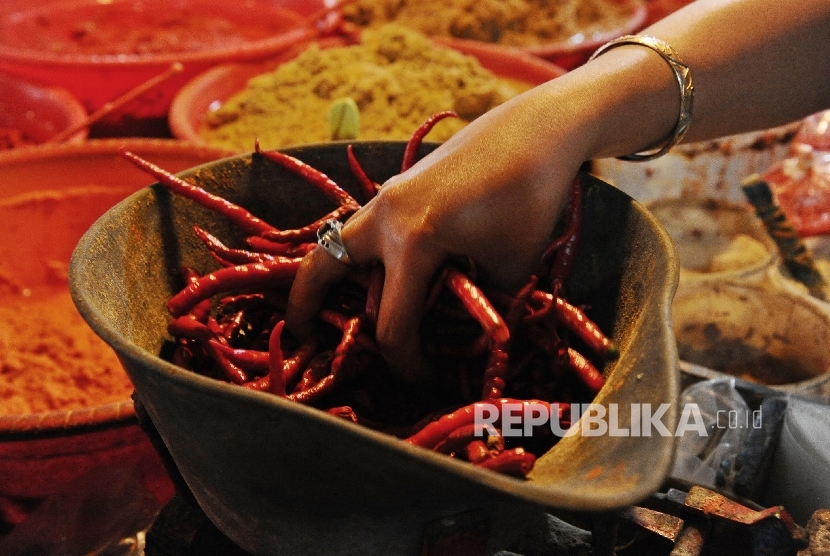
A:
<point x="489" y="194"/>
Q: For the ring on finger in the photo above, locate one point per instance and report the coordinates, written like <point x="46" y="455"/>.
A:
<point x="328" y="237"/>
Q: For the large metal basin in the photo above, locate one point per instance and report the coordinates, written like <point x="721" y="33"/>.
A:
<point x="281" y="478"/>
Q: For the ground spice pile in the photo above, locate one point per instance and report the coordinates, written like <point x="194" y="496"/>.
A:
<point x="50" y="359"/>
<point x="508" y="22"/>
<point x="396" y="76"/>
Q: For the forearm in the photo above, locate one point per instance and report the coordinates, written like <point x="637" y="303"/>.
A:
<point x="494" y="190"/>
<point x="755" y="64"/>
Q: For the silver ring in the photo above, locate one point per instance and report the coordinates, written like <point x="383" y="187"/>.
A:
<point x="328" y="237"/>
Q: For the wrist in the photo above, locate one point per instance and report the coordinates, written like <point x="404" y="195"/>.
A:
<point x="683" y="76"/>
<point x="630" y="101"/>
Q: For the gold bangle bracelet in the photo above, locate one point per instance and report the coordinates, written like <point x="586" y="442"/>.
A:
<point x="684" y="81"/>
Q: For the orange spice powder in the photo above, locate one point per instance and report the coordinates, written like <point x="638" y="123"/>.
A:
<point x="50" y="359"/>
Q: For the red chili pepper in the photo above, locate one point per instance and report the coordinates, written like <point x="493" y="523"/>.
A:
<point x="349" y="340"/>
<point x="318" y="367"/>
<point x="238" y="215"/>
<point x="495" y="374"/>
<point x="201" y="311"/>
<point x="276" y="376"/>
<point x="578" y="322"/>
<point x="341" y="321"/>
<point x="301" y="358"/>
<point x="327" y="383"/>
<point x="188" y="327"/>
<point x="252" y="361"/>
<point x="234" y="373"/>
<point x="182" y="355"/>
<point x="250" y="275"/>
<point x="540" y="306"/>
<point x="286" y="249"/>
<point x="291" y="366"/>
<point x="457" y="440"/>
<point x="477" y="451"/>
<point x="261" y="384"/>
<point x="477" y="304"/>
<point x="571" y="226"/>
<point x="225" y="255"/>
<point x="216" y="328"/>
<point x="344" y="412"/>
<point x="516" y="462"/>
<point x="566" y="255"/>
<point x="242" y="301"/>
<point x="232" y="325"/>
<point x="436" y="431"/>
<point x="586" y="371"/>
<point x="518" y="305"/>
<point x="314" y="176"/>
<point x="307" y="233"/>
<point x="315" y="391"/>
<point x="557" y="243"/>
<point x="417" y="138"/>
<point x="370" y="188"/>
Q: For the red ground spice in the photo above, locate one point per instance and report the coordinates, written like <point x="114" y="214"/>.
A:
<point x="50" y="359"/>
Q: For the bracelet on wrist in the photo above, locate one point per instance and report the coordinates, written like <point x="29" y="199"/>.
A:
<point x="684" y="82"/>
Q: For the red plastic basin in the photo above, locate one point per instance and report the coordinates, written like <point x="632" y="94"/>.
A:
<point x="102" y="50"/>
<point x="43" y="453"/>
<point x="39" y="112"/>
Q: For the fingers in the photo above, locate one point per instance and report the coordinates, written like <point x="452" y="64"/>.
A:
<point x="393" y="234"/>
<point x="317" y="273"/>
<point x="409" y="273"/>
<point x="405" y="290"/>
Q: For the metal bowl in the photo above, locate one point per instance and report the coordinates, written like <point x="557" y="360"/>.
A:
<point x="278" y="477"/>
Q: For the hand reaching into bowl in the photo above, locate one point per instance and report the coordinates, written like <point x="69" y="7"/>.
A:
<point x="435" y="211"/>
<point x="491" y="192"/>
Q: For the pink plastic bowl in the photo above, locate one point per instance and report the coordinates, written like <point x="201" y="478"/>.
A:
<point x="213" y="87"/>
<point x="55" y="43"/>
<point x="576" y="50"/>
<point x="43" y="453"/>
<point x="39" y="112"/>
<point x="658" y="9"/>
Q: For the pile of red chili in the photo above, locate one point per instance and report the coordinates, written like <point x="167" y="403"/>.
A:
<point x="489" y="346"/>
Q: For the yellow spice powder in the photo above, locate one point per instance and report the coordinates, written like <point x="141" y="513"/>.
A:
<point x="397" y="77"/>
<point x="508" y="22"/>
<point x="50" y="359"/>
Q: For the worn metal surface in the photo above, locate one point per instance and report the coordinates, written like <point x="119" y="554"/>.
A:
<point x="772" y="530"/>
